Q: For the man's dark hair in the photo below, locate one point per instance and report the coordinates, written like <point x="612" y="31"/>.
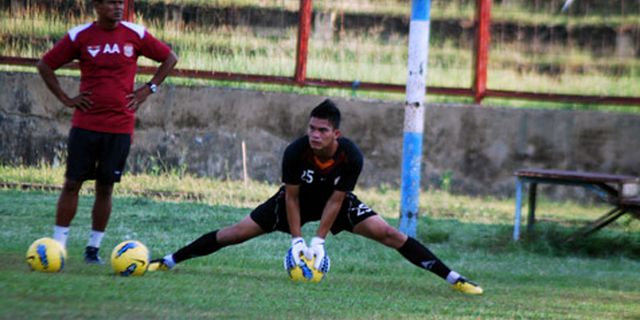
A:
<point x="327" y="110"/>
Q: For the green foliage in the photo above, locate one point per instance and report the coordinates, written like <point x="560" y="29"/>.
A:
<point x="446" y="180"/>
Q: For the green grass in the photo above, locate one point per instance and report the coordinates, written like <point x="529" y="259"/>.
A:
<point x="539" y="277"/>
<point x="367" y="281"/>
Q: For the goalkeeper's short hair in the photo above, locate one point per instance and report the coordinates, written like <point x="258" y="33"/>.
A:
<point x="327" y="109"/>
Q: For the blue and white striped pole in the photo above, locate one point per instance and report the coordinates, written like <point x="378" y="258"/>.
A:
<point x="414" y="115"/>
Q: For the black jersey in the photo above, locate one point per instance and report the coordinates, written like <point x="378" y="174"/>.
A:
<point x="317" y="180"/>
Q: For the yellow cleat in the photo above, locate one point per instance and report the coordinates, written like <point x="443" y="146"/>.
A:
<point x="465" y="286"/>
<point x="158" y="265"/>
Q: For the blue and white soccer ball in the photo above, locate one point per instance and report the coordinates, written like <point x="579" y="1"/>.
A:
<point x="305" y="271"/>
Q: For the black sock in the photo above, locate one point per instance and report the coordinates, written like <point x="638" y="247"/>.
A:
<point x="205" y="245"/>
<point x="419" y="255"/>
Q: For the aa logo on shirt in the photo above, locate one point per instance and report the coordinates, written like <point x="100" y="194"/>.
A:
<point x="109" y="49"/>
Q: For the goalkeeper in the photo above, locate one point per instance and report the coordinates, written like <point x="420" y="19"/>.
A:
<point x="319" y="171"/>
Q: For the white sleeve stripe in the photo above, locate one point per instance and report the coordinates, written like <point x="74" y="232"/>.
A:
<point x="73" y="32"/>
<point x="139" y="29"/>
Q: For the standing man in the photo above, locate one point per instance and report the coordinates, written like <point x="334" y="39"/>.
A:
<point x="104" y="110"/>
<point x="319" y="172"/>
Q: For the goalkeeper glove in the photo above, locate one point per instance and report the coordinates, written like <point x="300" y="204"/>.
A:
<point x="317" y="248"/>
<point x="298" y="246"/>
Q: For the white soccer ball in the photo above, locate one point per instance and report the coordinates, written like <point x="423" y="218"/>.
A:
<point x="130" y="258"/>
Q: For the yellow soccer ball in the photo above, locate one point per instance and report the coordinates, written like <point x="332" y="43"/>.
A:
<point x="130" y="258"/>
<point x="305" y="272"/>
<point x="46" y="255"/>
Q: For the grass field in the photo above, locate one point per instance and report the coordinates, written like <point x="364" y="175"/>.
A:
<point x="537" y="278"/>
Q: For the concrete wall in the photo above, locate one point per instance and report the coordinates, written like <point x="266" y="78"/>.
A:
<point x="201" y="129"/>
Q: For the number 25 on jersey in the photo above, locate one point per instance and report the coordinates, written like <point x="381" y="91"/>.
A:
<point x="307" y="176"/>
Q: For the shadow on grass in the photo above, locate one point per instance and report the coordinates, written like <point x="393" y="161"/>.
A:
<point x="551" y="238"/>
<point x="547" y="238"/>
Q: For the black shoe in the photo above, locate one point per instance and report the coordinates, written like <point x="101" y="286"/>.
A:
<point x="91" y="255"/>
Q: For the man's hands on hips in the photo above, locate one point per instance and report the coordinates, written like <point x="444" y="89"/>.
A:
<point x="81" y="101"/>
<point x="138" y="97"/>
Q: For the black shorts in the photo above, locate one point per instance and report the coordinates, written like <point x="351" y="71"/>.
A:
<point x="272" y="214"/>
<point x="96" y="155"/>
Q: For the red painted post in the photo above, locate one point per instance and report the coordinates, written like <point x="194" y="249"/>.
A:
<point x="129" y="13"/>
<point x="304" y="31"/>
<point x="483" y="40"/>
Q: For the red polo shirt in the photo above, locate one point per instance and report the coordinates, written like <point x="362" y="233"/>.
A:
<point x="108" y="63"/>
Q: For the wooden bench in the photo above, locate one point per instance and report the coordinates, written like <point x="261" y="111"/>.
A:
<point x="621" y="191"/>
<point x="632" y="205"/>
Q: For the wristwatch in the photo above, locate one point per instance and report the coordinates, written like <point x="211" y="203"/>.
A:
<point x="153" y="87"/>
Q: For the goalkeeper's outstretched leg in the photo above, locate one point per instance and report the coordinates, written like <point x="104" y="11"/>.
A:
<point x="377" y="229"/>
<point x="209" y="243"/>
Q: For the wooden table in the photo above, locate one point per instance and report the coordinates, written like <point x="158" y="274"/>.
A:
<point x="621" y="191"/>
